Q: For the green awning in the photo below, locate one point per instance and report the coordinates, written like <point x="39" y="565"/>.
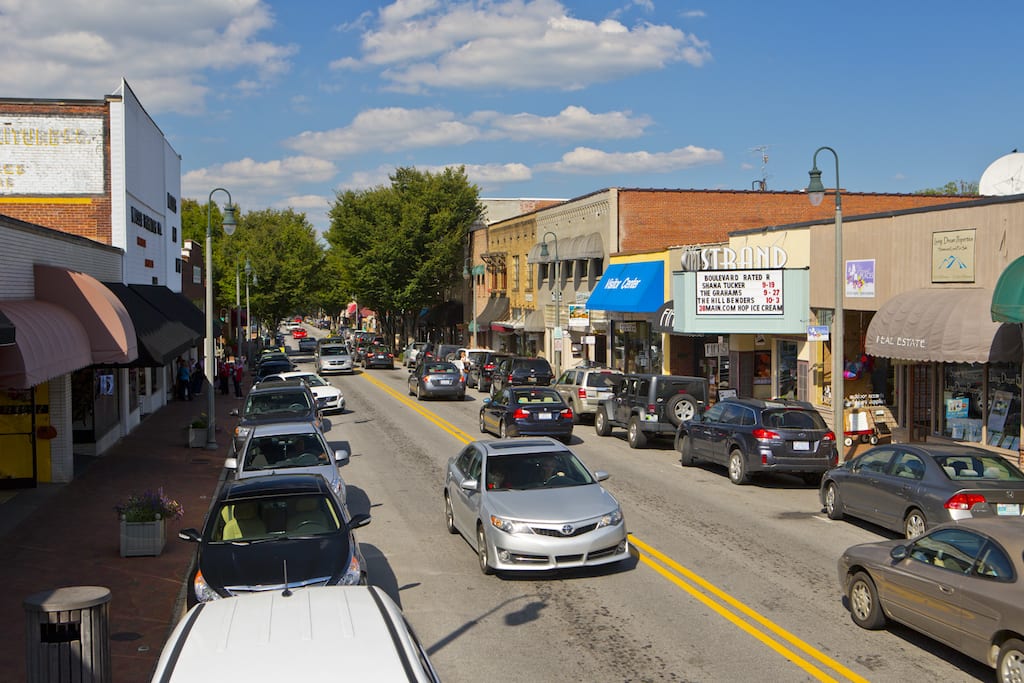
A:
<point x="1008" y="297"/>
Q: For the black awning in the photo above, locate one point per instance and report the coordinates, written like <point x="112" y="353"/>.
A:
<point x="6" y="330"/>
<point x="161" y="340"/>
<point x="496" y="309"/>
<point x="174" y="306"/>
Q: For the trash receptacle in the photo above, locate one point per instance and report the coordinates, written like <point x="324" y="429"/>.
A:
<point x="68" y="635"/>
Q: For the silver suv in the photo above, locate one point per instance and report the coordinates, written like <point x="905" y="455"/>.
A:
<point x="584" y="388"/>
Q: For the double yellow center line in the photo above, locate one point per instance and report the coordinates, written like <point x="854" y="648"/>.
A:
<point x="735" y="612"/>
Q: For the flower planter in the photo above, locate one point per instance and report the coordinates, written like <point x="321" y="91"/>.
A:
<point x="140" y="539"/>
<point x="196" y="437"/>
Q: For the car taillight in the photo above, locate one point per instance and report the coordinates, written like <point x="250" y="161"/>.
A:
<point x="829" y="436"/>
<point x="391" y="355"/>
<point x="762" y="434"/>
<point x="964" y="501"/>
<point x="520" y="414"/>
<point x="567" y="413"/>
<point x="581" y="392"/>
<point x="488" y="366"/>
<point x="651" y="408"/>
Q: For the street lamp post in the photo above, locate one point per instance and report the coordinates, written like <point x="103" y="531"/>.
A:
<point x="248" y="320"/>
<point x="210" y="361"/>
<point x="557" y="291"/>
<point x="816" y="193"/>
<point x="467" y="274"/>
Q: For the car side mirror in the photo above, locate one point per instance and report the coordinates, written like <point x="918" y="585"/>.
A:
<point x="899" y="553"/>
<point x="486" y="401"/>
<point x="601" y="475"/>
<point x="360" y="520"/>
<point x="231" y="463"/>
<point x="469" y="485"/>
<point x="234" y="412"/>
<point x="190" y="535"/>
<point x="341" y="457"/>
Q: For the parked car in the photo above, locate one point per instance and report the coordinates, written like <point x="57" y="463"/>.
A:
<point x="647" y="406"/>
<point x="271" y="533"/>
<point x="750" y="435"/>
<point x="958" y="583"/>
<point x="271" y="367"/>
<point x="481" y="368"/>
<point x="445" y="351"/>
<point x="334" y="358"/>
<point x="530" y="504"/>
<point x="910" y="488"/>
<point x="378" y="356"/>
<point x="289" y="448"/>
<point x="329" y="397"/>
<point x="411" y="352"/>
<point x="290" y="401"/>
<point x="527" y="411"/>
<point x="432" y="378"/>
<point x="585" y="387"/>
<point x="360" y="626"/>
<point x="516" y="370"/>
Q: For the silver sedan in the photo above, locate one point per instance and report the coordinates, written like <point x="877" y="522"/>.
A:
<point x="532" y="505"/>
<point x="910" y="488"/>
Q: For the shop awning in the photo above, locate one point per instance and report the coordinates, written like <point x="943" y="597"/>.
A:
<point x="111" y="333"/>
<point x="570" y="249"/>
<point x="630" y="288"/>
<point x="508" y="325"/>
<point x="160" y="340"/>
<point x="49" y="342"/>
<point x="534" y="321"/>
<point x="6" y="331"/>
<point x="174" y="306"/>
<point x="943" y="326"/>
<point x="665" y="318"/>
<point x="496" y="309"/>
<point x="1008" y="298"/>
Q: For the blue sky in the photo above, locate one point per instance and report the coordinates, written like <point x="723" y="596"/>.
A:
<point x="287" y="102"/>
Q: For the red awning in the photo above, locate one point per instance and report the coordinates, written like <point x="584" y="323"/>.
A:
<point x="48" y="342"/>
<point x="105" y="319"/>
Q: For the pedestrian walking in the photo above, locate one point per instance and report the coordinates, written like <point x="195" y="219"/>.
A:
<point x="224" y="372"/>
<point x="196" y="379"/>
<point x="237" y="375"/>
<point x="183" y="378"/>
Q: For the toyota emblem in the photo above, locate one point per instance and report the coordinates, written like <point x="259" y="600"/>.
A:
<point x="567" y="529"/>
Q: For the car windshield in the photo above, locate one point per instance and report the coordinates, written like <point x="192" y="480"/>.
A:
<point x="535" y="471"/>
<point x="274" y="516"/>
<point x="793" y="419"/>
<point x="277" y="402"/>
<point x="315" y="381"/>
<point x="333" y="351"/>
<point x="536" y="396"/>
<point x="440" y="368"/>
<point x="285" y="451"/>
<point x="536" y="364"/>
<point x="603" y="379"/>
<point x="974" y="466"/>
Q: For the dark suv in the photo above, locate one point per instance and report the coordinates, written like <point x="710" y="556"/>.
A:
<point x="289" y="401"/>
<point x="516" y="370"/>
<point x="751" y="435"/>
<point x="481" y="367"/>
<point x="651" y="405"/>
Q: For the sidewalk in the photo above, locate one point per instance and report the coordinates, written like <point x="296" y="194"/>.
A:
<point x="60" y="535"/>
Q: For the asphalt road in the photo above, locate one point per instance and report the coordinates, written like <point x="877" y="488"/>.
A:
<point x="727" y="582"/>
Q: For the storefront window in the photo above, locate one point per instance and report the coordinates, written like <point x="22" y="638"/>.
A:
<point x="787" y="385"/>
<point x="1004" y="405"/>
<point x="636" y="348"/>
<point x="962" y="405"/>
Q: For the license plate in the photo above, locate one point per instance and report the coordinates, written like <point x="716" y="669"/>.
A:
<point x="801" y="445"/>
<point x="1008" y="509"/>
<point x="532" y="380"/>
<point x="445" y="381"/>
<point x="544" y="416"/>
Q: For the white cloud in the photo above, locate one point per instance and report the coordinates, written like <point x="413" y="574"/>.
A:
<point x="389" y="129"/>
<point x="255" y="177"/>
<point x="162" y="48"/>
<point x="572" y="123"/>
<point x="515" y="44"/>
<point x="584" y="160"/>
<point x="314" y="203"/>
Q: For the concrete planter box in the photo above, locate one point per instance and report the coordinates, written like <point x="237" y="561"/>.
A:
<point x="196" y="437"/>
<point x="141" y="539"/>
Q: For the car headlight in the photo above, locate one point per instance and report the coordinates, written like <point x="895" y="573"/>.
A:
<point x="202" y="590"/>
<point x="510" y="526"/>
<point x="613" y="518"/>
<point x="354" y="574"/>
<point x="242" y="432"/>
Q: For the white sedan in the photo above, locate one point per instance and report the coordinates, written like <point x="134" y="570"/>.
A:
<point x="328" y="397"/>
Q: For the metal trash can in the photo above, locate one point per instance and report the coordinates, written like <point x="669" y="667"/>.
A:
<point x="68" y="635"/>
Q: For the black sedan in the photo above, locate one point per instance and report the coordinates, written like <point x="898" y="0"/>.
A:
<point x="432" y="378"/>
<point x="527" y="411"/>
<point x="958" y="583"/>
<point x="379" y="357"/>
<point x="910" y="488"/>
<point x="266" y="533"/>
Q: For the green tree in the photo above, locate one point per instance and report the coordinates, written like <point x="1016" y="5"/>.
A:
<point x="401" y="247"/>
<point x="954" y="188"/>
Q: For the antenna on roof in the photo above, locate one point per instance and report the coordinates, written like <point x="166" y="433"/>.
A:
<point x="287" y="592"/>
<point x="762" y="184"/>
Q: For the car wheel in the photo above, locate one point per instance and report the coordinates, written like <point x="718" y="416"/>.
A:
<point x="449" y="516"/>
<point x="419" y="392"/>
<point x="685" y="447"/>
<point x="914" y="524"/>
<point x="634" y="435"/>
<point x="864" y="607"/>
<point x="502" y="430"/>
<point x="1010" y="665"/>
<point x="575" y="414"/>
<point x="481" y="550"/>
<point x="833" y="503"/>
<point x="738" y="467"/>
<point x="680" y="408"/>
<point x="411" y="392"/>
<point x="483" y="430"/>
<point x="601" y="425"/>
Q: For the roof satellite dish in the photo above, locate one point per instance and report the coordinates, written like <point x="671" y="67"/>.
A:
<point x="1004" y="176"/>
